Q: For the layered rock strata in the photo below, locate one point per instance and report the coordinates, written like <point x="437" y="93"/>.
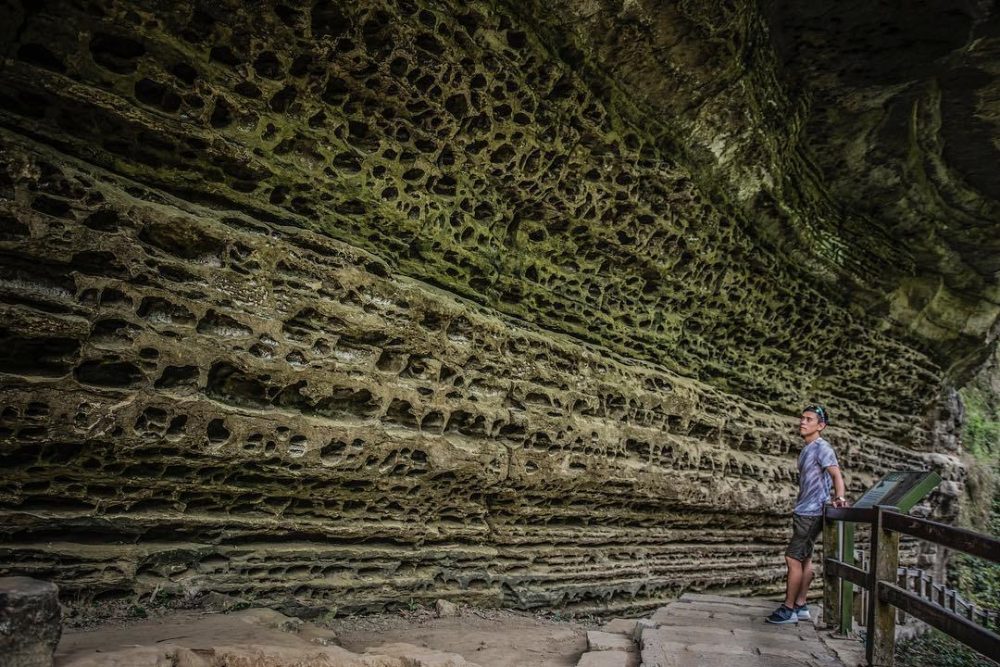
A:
<point x="333" y="305"/>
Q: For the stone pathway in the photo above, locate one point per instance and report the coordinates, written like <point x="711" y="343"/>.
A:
<point x="710" y="631"/>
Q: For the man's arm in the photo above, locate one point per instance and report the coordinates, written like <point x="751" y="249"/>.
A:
<point x="838" y="486"/>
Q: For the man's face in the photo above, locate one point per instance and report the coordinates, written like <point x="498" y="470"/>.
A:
<point x="809" y="424"/>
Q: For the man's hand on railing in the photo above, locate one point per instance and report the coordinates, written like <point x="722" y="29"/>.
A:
<point x="840" y="501"/>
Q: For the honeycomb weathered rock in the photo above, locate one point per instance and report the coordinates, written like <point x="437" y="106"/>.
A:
<point x="356" y="303"/>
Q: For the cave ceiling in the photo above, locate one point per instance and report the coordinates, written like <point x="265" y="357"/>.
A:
<point x="521" y="293"/>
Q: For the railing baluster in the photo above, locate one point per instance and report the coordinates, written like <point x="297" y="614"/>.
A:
<point x="904" y="584"/>
<point x="831" y="583"/>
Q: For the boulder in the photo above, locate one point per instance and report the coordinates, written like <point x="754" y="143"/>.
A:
<point x="29" y="622"/>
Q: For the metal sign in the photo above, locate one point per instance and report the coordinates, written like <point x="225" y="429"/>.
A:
<point x="902" y="489"/>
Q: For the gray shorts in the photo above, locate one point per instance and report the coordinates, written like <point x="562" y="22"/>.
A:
<point x="805" y="530"/>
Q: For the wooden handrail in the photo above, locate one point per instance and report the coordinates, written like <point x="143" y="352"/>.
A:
<point x="855" y="514"/>
<point x="855" y="575"/>
<point x="887" y="525"/>
<point x="960" y="539"/>
<point x="962" y="629"/>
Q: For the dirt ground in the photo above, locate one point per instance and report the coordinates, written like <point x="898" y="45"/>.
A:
<point x="486" y="637"/>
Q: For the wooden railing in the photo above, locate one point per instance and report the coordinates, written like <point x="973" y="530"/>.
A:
<point x="922" y="584"/>
<point x="881" y="580"/>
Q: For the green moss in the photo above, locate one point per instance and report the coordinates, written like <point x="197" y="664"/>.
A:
<point x="982" y="427"/>
<point x="976" y="579"/>
<point x="936" y="649"/>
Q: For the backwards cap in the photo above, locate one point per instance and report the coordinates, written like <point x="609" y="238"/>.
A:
<point x="824" y="416"/>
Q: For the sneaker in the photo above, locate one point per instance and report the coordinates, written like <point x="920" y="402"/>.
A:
<point x="783" y="615"/>
<point x="802" y="611"/>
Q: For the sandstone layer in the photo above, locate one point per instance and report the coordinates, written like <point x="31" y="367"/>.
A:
<point x="353" y="304"/>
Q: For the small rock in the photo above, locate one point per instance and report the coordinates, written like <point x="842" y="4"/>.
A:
<point x="297" y="609"/>
<point x="270" y="618"/>
<point x="222" y="602"/>
<point x="445" y="609"/>
<point x="29" y="622"/>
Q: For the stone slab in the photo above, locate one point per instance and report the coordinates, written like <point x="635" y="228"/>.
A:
<point x="608" y="641"/>
<point x="710" y="631"/>
<point x="663" y="658"/>
<point x="728" y="641"/>
<point x="748" y="610"/>
<point x="753" y="602"/>
<point x="605" y="659"/>
<point x="682" y="615"/>
<point x="622" y="626"/>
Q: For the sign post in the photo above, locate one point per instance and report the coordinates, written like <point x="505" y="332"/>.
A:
<point x="901" y="489"/>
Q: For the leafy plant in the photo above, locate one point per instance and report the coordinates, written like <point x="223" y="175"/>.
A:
<point x="936" y="649"/>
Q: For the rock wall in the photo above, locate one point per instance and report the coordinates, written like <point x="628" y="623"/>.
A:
<point x="353" y="305"/>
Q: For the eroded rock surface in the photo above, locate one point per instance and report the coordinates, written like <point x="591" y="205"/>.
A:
<point x="347" y="304"/>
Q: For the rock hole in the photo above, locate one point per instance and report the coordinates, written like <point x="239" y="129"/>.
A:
<point x="36" y="54"/>
<point x="159" y="310"/>
<point x="176" y="427"/>
<point x="109" y="372"/>
<point x="217" y="432"/>
<point x="268" y="66"/>
<point x="114" y="53"/>
<point x="156" y="94"/>
<point x="104" y="220"/>
<point x="222" y="114"/>
<point x="222" y="326"/>
<point x="348" y="403"/>
<point x="231" y="385"/>
<point x="223" y="54"/>
<point x="184" y="72"/>
<point x="400" y="412"/>
<point x="178" y="376"/>
<point x="327" y="20"/>
<point x="297" y="446"/>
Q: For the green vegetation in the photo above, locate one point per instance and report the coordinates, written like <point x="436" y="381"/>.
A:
<point x="936" y="649"/>
<point x="981" y="434"/>
<point x="976" y="580"/>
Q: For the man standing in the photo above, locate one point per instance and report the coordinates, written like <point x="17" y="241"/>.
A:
<point x="818" y="470"/>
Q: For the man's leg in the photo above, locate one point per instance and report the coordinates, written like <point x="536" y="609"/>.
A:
<point x="794" y="583"/>
<point x="806" y="580"/>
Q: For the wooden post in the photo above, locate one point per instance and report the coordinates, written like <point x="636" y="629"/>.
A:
<point x="861" y="593"/>
<point x="881" y="644"/>
<point x="846" y="587"/>
<point x="831" y="589"/>
<point x="865" y="592"/>
<point x="904" y="584"/>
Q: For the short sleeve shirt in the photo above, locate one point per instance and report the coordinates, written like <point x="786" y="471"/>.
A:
<point x="814" y="480"/>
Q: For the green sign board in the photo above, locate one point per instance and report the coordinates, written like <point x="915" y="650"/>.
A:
<point x="902" y="489"/>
